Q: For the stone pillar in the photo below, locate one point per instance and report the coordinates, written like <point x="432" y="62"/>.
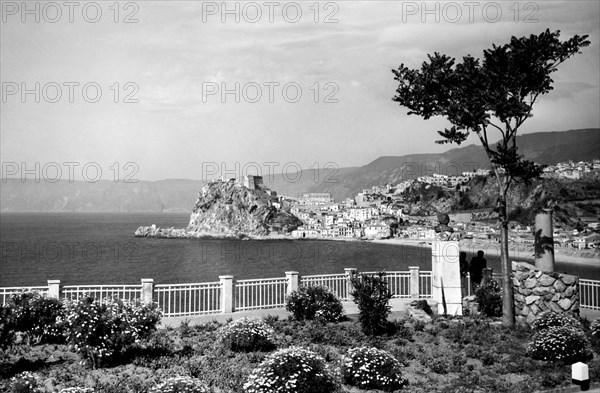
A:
<point x="349" y="287"/>
<point x="147" y="290"/>
<point x="414" y="281"/>
<point x="54" y="289"/>
<point x="446" y="273"/>
<point x="544" y="241"/>
<point x="226" y="294"/>
<point x="292" y="284"/>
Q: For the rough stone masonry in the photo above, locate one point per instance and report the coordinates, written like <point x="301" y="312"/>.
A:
<point x="537" y="291"/>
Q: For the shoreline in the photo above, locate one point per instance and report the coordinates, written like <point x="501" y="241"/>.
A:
<point x="516" y="251"/>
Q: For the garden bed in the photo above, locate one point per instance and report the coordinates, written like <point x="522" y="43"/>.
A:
<point x="460" y="355"/>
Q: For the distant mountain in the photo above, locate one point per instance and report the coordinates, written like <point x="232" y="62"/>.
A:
<point x="541" y="147"/>
<point x="103" y="196"/>
<point x="180" y="195"/>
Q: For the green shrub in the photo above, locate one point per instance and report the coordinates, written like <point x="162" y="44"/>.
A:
<point x="489" y="298"/>
<point x="551" y="319"/>
<point x="292" y="369"/>
<point x="6" y="326"/>
<point x="245" y="335"/>
<point x="100" y="329"/>
<point x="372" y="295"/>
<point x="181" y="385"/>
<point x="315" y="302"/>
<point x="37" y="316"/>
<point x="372" y="368"/>
<point x="26" y="382"/>
<point x="559" y="343"/>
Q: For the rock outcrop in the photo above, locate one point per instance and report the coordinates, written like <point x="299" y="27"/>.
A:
<point x="232" y="209"/>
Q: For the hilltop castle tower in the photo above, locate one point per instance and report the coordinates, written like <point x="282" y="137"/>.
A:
<point x="253" y="182"/>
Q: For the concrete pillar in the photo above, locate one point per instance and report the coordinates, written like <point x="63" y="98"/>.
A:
<point x="292" y="284"/>
<point x="544" y="241"/>
<point x="414" y="281"/>
<point x="446" y="273"/>
<point x="147" y="290"/>
<point x="54" y="289"/>
<point x="349" y="287"/>
<point x="226" y="293"/>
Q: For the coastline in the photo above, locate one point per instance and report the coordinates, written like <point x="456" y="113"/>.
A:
<point x="516" y="251"/>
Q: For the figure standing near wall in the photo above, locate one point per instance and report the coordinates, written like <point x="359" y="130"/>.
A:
<point x="478" y="263"/>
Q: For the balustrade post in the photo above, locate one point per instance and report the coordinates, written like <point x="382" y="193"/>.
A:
<point x="54" y="289"/>
<point x="226" y="294"/>
<point x="349" y="287"/>
<point x="292" y="282"/>
<point x="147" y="290"/>
<point x="414" y="281"/>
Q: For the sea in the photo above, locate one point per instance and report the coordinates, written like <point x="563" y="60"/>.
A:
<point x="100" y="248"/>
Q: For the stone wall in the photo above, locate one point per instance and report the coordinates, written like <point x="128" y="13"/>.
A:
<point x="537" y="291"/>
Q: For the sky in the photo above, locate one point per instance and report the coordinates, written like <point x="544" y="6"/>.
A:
<point x="144" y="99"/>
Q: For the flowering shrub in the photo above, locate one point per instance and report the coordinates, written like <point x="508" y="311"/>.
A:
<point x="6" y="326"/>
<point x="489" y="298"/>
<point x="25" y="382"/>
<point x="551" y="319"/>
<point x="372" y="368"/>
<point x="315" y="302"/>
<point x="293" y="369"/>
<point x="97" y="330"/>
<point x="77" y="390"/>
<point x="372" y="294"/>
<point x="37" y="316"/>
<point x="245" y="335"/>
<point x="559" y="343"/>
<point x="181" y="385"/>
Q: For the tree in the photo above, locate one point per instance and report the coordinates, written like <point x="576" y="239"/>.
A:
<point x="496" y="93"/>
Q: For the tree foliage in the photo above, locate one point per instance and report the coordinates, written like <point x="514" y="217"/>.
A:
<point x="494" y="93"/>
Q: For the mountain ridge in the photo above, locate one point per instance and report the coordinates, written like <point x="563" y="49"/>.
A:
<point x="179" y="195"/>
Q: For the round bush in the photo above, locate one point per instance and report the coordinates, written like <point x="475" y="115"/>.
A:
<point x="25" y="382"/>
<point x="559" y="343"/>
<point x="38" y="316"/>
<point x="551" y="319"/>
<point x="315" y="302"/>
<point x="245" y="335"/>
<point x="181" y="385"/>
<point x="293" y="369"/>
<point x="372" y="368"/>
<point x="100" y="329"/>
<point x="6" y="326"/>
<point x="489" y="298"/>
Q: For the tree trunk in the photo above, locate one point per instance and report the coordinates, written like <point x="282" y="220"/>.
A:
<point x="508" y="314"/>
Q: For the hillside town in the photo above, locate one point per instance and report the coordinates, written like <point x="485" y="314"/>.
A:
<point x="380" y="212"/>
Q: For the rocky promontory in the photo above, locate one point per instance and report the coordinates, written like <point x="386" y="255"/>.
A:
<point x="230" y="209"/>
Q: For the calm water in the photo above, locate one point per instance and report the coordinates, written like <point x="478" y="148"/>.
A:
<point x="87" y="248"/>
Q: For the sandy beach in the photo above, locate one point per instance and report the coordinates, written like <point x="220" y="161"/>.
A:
<point x="516" y="252"/>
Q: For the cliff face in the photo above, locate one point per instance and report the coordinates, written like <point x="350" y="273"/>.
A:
<point x="229" y="208"/>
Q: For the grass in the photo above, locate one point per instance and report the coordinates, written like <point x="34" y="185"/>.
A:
<point x="460" y="355"/>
